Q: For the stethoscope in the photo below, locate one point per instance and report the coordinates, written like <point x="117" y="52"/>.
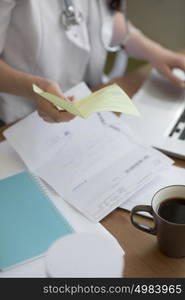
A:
<point x="71" y="17"/>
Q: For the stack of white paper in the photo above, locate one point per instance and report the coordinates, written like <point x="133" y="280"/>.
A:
<point x="94" y="164"/>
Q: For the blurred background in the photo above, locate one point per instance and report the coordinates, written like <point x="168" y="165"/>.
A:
<point x="161" y="20"/>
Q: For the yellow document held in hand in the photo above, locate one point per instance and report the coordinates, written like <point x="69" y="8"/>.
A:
<point x="110" y="98"/>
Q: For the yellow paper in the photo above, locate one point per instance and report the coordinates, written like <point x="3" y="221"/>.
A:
<point x="110" y="98"/>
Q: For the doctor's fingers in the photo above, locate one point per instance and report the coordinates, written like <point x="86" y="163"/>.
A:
<point x="168" y="72"/>
<point x="50" y="113"/>
<point x="56" y="116"/>
<point x="167" y="67"/>
<point x="63" y="116"/>
<point x="176" y="62"/>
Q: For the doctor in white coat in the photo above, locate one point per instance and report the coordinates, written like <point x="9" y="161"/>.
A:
<point x="56" y="44"/>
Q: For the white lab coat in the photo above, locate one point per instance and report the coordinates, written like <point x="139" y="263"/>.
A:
<point x="33" y="39"/>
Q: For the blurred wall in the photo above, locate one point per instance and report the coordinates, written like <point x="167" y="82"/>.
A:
<point x="161" y="20"/>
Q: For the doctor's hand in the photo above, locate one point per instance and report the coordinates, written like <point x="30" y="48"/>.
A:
<point x="48" y="111"/>
<point x="165" y="61"/>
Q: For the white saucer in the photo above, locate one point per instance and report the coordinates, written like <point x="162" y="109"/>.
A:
<point x="85" y="255"/>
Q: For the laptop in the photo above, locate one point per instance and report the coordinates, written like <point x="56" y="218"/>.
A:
<point x="162" y="109"/>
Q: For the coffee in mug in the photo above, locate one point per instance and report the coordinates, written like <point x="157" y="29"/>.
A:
<point x="168" y="211"/>
<point x="173" y="210"/>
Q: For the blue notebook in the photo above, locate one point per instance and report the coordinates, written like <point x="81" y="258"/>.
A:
<point x="29" y="222"/>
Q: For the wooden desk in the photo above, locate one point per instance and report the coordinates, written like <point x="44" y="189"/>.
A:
<point x="143" y="259"/>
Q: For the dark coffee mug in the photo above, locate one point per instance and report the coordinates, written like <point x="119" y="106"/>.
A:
<point x="168" y="211"/>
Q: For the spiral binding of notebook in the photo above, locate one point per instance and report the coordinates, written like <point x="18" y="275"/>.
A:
<point x="44" y="190"/>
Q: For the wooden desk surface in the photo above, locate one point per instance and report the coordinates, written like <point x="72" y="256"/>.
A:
<point x="143" y="259"/>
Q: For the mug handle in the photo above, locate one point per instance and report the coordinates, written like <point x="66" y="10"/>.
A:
<point x="144" y="208"/>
